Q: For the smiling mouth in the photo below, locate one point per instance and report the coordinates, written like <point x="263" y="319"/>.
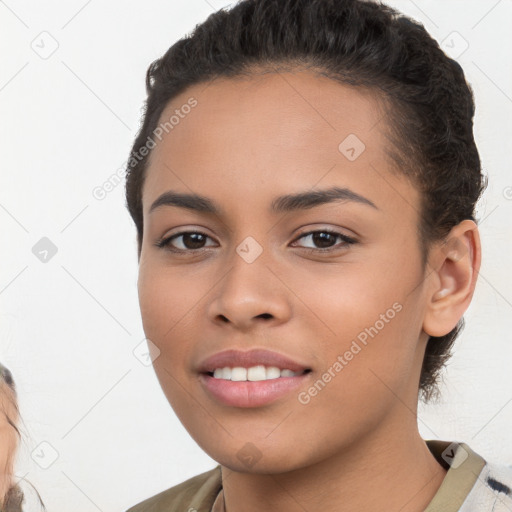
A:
<point x="255" y="386"/>
<point x="255" y="373"/>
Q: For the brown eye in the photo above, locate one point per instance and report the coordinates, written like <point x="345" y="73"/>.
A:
<point x="324" y="240"/>
<point x="184" y="241"/>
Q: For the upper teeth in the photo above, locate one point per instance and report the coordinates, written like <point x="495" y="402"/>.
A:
<point x="253" y="373"/>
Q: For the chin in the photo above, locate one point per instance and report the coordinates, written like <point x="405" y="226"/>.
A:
<point x="260" y="467"/>
<point x="249" y="459"/>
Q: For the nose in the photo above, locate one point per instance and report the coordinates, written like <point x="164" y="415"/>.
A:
<point x="250" y="294"/>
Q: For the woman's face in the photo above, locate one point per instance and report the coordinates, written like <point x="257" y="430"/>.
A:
<point x="256" y="278"/>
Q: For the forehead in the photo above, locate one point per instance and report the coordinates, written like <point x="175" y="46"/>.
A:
<point x="269" y="133"/>
<point x="299" y="95"/>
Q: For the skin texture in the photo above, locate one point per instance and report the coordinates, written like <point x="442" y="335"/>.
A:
<point x="246" y="142"/>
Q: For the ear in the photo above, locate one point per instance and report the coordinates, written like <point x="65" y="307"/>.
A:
<point x="456" y="263"/>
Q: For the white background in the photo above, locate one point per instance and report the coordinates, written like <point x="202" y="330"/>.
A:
<point x="68" y="327"/>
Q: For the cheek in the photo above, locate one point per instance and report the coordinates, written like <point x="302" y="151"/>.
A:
<point x="166" y="302"/>
<point x="346" y="300"/>
<point x="370" y="323"/>
<point x="167" y="316"/>
<point x="367" y="373"/>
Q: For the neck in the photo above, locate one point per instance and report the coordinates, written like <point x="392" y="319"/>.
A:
<point x="380" y="472"/>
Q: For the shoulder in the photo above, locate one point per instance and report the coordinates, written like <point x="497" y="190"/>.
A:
<point x="492" y="490"/>
<point x="195" y="494"/>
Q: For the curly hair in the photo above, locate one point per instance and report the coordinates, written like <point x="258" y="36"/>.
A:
<point x="429" y="106"/>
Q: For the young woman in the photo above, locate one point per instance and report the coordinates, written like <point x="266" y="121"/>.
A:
<point x="304" y="187"/>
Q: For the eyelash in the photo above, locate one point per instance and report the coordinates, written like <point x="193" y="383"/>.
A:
<point x="164" y="243"/>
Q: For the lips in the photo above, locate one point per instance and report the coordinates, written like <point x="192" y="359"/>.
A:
<point x="247" y="393"/>
<point x="247" y="359"/>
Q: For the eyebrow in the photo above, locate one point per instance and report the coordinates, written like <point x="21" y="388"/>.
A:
<point x="281" y="204"/>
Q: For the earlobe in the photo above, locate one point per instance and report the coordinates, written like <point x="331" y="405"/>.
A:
<point x="456" y="263"/>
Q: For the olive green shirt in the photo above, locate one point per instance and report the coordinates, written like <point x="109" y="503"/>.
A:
<point x="470" y="485"/>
